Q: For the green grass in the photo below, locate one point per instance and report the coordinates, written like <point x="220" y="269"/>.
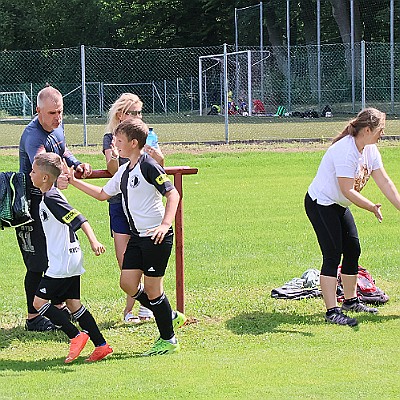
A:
<point x="206" y="129"/>
<point x="245" y="233"/>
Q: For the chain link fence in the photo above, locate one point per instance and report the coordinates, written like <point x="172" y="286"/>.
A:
<point x="275" y="93"/>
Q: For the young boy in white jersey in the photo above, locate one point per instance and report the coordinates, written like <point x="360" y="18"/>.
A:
<point x="61" y="281"/>
<point x="143" y="182"/>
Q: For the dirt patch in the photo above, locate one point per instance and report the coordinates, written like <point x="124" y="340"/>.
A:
<point x="221" y="147"/>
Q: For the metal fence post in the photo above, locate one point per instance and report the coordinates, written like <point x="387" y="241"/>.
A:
<point x="83" y="71"/>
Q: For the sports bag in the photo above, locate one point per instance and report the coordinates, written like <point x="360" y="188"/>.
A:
<point x="367" y="291"/>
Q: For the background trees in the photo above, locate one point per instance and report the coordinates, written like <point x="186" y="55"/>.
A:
<point x="33" y="24"/>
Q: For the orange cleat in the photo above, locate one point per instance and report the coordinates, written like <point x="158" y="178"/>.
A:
<point x="76" y="346"/>
<point x="99" y="353"/>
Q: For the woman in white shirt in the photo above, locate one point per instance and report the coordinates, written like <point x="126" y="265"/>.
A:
<point x="344" y="170"/>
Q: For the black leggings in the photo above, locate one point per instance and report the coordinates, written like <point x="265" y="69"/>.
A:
<point x="337" y="235"/>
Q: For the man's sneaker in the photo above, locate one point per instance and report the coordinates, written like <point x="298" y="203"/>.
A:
<point x="179" y="320"/>
<point x="337" y="317"/>
<point x="99" y="353"/>
<point x="358" y="306"/>
<point x="162" y="346"/>
<point x="39" y="324"/>
<point x="76" y="346"/>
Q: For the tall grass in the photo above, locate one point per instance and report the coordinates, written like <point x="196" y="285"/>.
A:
<point x="245" y="233"/>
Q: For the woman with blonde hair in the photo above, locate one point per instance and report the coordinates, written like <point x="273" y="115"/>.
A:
<point x="128" y="105"/>
<point x="343" y="172"/>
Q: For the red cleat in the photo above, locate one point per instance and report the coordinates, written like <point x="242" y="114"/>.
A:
<point x="76" y="346"/>
<point x="99" y="353"/>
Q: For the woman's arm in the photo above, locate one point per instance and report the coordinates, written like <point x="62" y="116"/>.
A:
<point x="112" y="161"/>
<point x="347" y="188"/>
<point x="386" y="186"/>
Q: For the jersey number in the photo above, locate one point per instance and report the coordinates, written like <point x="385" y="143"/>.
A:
<point x="26" y="242"/>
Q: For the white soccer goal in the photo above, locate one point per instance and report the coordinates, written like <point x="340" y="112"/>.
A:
<point x="15" y="105"/>
<point x="240" y="77"/>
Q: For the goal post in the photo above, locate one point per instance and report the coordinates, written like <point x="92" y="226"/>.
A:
<point x="213" y="75"/>
<point x="15" y="105"/>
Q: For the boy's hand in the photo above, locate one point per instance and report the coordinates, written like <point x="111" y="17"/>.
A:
<point x="84" y="169"/>
<point x="158" y="233"/>
<point x="98" y="248"/>
<point x="68" y="172"/>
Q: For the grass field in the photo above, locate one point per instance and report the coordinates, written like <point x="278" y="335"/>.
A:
<point x="206" y="129"/>
<point x="245" y="233"/>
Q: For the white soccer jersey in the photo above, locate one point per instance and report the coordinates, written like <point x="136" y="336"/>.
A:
<point x="343" y="160"/>
<point x="60" y="221"/>
<point x="142" y="189"/>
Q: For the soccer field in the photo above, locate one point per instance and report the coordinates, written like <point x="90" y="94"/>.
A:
<point x="245" y="233"/>
<point x="206" y="129"/>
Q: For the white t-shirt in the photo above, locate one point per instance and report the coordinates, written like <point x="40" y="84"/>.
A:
<point x="142" y="188"/>
<point x="343" y="160"/>
<point x="60" y="221"/>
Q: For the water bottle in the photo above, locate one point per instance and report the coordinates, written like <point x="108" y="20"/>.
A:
<point x="152" y="139"/>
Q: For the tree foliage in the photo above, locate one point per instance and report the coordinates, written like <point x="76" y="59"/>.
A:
<point x="45" y="24"/>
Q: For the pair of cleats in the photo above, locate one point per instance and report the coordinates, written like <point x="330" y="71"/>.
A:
<point x="79" y="342"/>
<point x="40" y="324"/>
<point x="43" y="324"/>
<point x="162" y="346"/>
<point x="337" y="317"/>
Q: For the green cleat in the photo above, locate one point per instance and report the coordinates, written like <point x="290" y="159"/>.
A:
<point x="162" y="346"/>
<point x="179" y="320"/>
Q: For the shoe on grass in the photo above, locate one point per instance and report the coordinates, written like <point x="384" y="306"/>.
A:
<point x="161" y="347"/>
<point x="358" y="306"/>
<point x="76" y="346"/>
<point x="337" y="317"/>
<point x="179" y="320"/>
<point x="131" y="319"/>
<point x="99" y="353"/>
<point x="145" y="314"/>
<point x="39" y="324"/>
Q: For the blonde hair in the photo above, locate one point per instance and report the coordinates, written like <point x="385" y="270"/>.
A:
<point x="122" y="104"/>
<point x="368" y="117"/>
<point x="49" y="163"/>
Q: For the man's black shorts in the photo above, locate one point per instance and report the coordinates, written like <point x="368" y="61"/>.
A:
<point x="32" y="241"/>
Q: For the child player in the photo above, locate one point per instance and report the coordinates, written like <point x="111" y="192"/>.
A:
<point x="143" y="182"/>
<point x="61" y="281"/>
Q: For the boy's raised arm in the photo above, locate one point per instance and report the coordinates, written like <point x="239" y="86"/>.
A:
<point x="92" y="190"/>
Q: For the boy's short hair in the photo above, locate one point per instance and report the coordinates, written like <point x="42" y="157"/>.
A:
<point x="133" y="128"/>
<point x="49" y="163"/>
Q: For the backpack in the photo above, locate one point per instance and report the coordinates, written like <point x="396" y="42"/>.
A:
<point x="367" y="291"/>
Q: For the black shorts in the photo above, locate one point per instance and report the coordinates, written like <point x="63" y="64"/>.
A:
<point x="141" y="253"/>
<point x="59" y="289"/>
<point x="31" y="240"/>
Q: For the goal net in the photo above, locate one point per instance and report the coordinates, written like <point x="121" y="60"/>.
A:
<point x="15" y="105"/>
<point x="242" y="78"/>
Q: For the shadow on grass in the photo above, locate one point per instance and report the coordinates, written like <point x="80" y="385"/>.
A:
<point x="18" y="333"/>
<point x="258" y="323"/>
<point x="54" y="364"/>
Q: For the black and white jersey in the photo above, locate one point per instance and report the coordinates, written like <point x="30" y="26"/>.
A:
<point x="60" y="222"/>
<point x="142" y="188"/>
